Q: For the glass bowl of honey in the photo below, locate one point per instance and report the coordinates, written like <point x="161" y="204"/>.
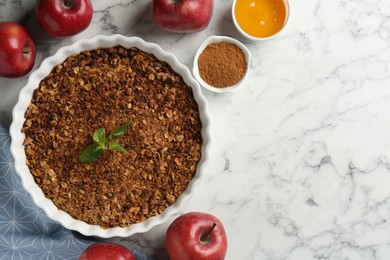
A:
<point x="260" y="19"/>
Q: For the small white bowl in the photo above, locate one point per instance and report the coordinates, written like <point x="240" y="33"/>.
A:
<point x="215" y="39"/>
<point x="18" y="152"/>
<point x="252" y="38"/>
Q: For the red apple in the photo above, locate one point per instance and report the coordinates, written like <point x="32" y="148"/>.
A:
<point x="61" y="18"/>
<point x="182" y="16"/>
<point x="106" y="251"/>
<point x="17" y="50"/>
<point x="196" y="235"/>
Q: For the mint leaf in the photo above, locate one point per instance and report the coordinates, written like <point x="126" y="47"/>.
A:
<point x="91" y="153"/>
<point x="120" y="131"/>
<point x="100" y="137"/>
<point x="116" y="146"/>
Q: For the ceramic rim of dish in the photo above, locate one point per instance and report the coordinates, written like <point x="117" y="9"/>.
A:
<point x="17" y="137"/>
<point x="253" y="38"/>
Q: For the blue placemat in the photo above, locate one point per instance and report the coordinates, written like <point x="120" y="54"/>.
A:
<point x="25" y="230"/>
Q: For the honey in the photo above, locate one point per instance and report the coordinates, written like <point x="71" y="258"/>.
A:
<point x="261" y="18"/>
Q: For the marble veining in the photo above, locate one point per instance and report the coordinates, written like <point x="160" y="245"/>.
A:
<point x="300" y="165"/>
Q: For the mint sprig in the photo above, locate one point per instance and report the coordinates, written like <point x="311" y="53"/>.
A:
<point x="102" y="143"/>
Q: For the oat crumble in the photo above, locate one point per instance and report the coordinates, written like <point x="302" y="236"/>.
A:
<point x="106" y="88"/>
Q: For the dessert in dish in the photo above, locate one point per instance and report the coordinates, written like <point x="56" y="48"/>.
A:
<point x="105" y="88"/>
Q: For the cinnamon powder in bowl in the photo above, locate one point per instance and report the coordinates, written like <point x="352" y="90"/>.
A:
<point x="221" y="64"/>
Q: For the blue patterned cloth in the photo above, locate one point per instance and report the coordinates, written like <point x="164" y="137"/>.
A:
<point x="25" y="230"/>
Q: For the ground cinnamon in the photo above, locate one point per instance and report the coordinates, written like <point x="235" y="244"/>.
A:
<point x="222" y="64"/>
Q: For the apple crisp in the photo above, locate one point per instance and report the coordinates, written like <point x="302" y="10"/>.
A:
<point x="106" y="88"/>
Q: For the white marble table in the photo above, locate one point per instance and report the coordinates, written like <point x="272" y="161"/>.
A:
<point x="300" y="163"/>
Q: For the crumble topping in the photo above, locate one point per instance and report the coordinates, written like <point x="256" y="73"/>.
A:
<point x="105" y="88"/>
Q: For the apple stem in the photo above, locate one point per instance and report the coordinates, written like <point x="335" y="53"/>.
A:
<point x="68" y="4"/>
<point x="205" y="237"/>
<point x="26" y="53"/>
